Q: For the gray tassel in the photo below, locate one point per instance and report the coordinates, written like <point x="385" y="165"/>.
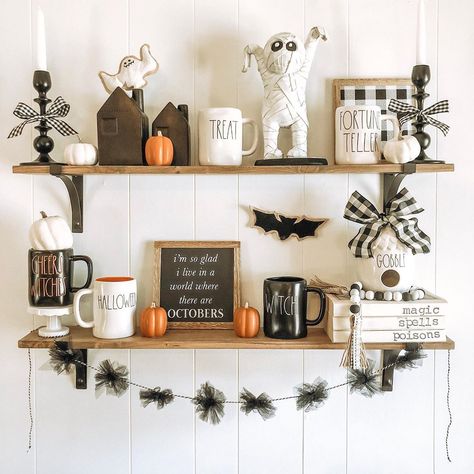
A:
<point x="410" y="360"/>
<point x="364" y="381"/>
<point x="209" y="403"/>
<point x="113" y="377"/>
<point x="62" y="358"/>
<point x="262" y="404"/>
<point x="158" y="396"/>
<point x="311" y="395"/>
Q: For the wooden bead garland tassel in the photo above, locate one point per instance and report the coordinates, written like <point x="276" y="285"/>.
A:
<point x="354" y="356"/>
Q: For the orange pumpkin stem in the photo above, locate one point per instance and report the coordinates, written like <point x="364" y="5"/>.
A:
<point x="246" y="305"/>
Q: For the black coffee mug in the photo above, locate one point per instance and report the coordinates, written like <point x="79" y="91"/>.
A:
<point x="285" y="301"/>
<point x="51" y="273"/>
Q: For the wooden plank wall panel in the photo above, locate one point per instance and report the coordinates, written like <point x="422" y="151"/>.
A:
<point x="455" y="195"/>
<point x="15" y="212"/>
<point x="367" y="419"/>
<point x="199" y="44"/>
<point x="155" y="205"/>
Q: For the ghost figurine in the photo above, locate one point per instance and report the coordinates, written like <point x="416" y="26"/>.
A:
<point x="132" y="72"/>
<point x="284" y="64"/>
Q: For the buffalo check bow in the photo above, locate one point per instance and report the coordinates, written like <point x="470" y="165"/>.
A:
<point x="399" y="217"/>
<point x="411" y="112"/>
<point x="59" y="108"/>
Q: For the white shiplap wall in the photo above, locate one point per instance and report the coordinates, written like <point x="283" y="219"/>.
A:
<point x="198" y="44"/>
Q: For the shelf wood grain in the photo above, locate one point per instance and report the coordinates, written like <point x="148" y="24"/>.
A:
<point x="80" y="338"/>
<point x="358" y="169"/>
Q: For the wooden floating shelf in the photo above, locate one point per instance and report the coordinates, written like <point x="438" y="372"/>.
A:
<point x="80" y="338"/>
<point x="330" y="169"/>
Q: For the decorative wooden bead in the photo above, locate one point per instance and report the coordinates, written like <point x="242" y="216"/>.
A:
<point x="362" y="294"/>
<point x="378" y="295"/>
<point x="359" y="284"/>
<point x="369" y="295"/>
<point x="355" y="298"/>
<point x="354" y="308"/>
<point x="397" y="296"/>
<point x="355" y="287"/>
<point x="387" y="296"/>
<point x="422" y="293"/>
<point x="354" y="292"/>
<point x="406" y="296"/>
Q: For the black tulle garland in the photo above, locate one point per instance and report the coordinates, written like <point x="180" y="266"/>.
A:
<point x="364" y="381"/>
<point x="410" y="360"/>
<point x="62" y="358"/>
<point x="113" y="377"/>
<point x="209" y="403"/>
<point x="263" y="404"/>
<point x="311" y="396"/>
<point x="158" y="396"/>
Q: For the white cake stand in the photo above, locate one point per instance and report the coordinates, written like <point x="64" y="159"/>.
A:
<point x="53" y="327"/>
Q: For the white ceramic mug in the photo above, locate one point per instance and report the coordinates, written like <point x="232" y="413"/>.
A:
<point x="220" y="136"/>
<point x="114" y="305"/>
<point x="358" y="130"/>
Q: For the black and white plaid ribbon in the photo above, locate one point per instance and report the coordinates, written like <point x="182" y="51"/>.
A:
<point x="399" y="217"/>
<point x="411" y="112"/>
<point x="59" y="108"/>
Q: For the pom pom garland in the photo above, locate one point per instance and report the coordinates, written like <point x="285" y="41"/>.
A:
<point x="63" y="360"/>
<point x="364" y="381"/>
<point x="113" y="377"/>
<point x="158" y="396"/>
<point x="209" y="403"/>
<point x="262" y="404"/>
<point x="410" y="360"/>
<point x="311" y="395"/>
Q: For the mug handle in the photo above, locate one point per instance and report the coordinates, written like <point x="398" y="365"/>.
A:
<point x="253" y="147"/>
<point x="77" y="313"/>
<point x="322" y="308"/>
<point x="396" y="127"/>
<point x="88" y="261"/>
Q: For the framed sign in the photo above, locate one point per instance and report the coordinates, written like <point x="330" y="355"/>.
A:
<point x="198" y="283"/>
<point x="374" y="92"/>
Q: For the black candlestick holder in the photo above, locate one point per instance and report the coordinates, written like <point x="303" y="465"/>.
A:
<point x="43" y="143"/>
<point x="420" y="77"/>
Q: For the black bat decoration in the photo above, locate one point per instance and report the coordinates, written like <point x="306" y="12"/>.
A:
<point x="285" y="226"/>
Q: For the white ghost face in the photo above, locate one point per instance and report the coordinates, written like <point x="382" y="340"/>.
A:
<point x="284" y="53"/>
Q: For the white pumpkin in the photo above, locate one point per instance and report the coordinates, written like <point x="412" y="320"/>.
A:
<point x="401" y="149"/>
<point x="391" y="268"/>
<point x="80" y="154"/>
<point x="50" y="233"/>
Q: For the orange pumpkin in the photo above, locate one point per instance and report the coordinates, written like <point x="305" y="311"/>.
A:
<point x="246" y="321"/>
<point x="159" y="151"/>
<point x="153" y="321"/>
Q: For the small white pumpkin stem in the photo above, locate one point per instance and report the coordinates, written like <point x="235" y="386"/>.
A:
<point x="153" y="305"/>
<point x="159" y="134"/>
<point x="246" y="305"/>
<point x="79" y="138"/>
<point x="43" y="214"/>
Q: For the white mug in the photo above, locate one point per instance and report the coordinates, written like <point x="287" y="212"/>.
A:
<point x="358" y="130"/>
<point x="114" y="306"/>
<point x="220" y="136"/>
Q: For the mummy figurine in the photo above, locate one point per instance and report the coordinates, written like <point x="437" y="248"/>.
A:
<point x="131" y="73"/>
<point x="284" y="66"/>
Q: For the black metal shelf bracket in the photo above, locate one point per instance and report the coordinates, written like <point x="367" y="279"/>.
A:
<point x="80" y="366"/>
<point x="392" y="182"/>
<point x="388" y="360"/>
<point x="75" y="189"/>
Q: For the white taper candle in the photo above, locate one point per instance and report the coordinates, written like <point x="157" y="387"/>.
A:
<point x="421" y="34"/>
<point x="40" y="42"/>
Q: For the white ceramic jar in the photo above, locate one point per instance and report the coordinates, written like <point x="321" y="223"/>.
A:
<point x="390" y="269"/>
